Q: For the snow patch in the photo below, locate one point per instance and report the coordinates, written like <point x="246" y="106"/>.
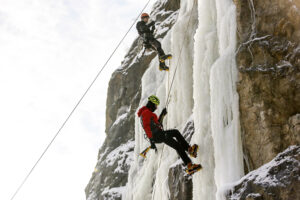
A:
<point x="263" y="175"/>
<point x="113" y="193"/>
<point x="123" y="155"/>
<point x="120" y="119"/>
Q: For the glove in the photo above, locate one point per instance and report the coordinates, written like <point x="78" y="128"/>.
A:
<point x="153" y="146"/>
<point x="164" y="112"/>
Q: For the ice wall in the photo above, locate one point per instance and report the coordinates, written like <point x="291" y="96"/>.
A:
<point x="183" y="52"/>
<point x="204" y="87"/>
<point x="206" y="53"/>
<point x="225" y="102"/>
<point x="216" y="100"/>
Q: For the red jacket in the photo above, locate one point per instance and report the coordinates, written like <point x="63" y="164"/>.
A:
<point x="149" y="120"/>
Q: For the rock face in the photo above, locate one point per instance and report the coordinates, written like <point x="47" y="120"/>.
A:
<point x="276" y="180"/>
<point x="268" y="59"/>
<point x="180" y="184"/>
<point x="114" y="158"/>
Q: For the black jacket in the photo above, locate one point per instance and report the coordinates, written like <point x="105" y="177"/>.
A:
<point x="145" y="29"/>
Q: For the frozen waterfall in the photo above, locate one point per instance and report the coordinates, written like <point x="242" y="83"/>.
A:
<point x="204" y="90"/>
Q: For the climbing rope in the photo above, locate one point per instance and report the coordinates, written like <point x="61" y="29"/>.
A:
<point x="77" y="104"/>
<point x="170" y="88"/>
<point x="168" y="92"/>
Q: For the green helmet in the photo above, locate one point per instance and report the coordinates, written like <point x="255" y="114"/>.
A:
<point x="154" y="99"/>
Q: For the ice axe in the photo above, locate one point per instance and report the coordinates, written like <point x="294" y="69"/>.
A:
<point x="144" y="153"/>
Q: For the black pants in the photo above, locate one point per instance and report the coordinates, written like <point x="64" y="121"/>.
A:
<point x="180" y="144"/>
<point x="157" y="45"/>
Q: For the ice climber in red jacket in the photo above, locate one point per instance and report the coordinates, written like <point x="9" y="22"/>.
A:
<point x="173" y="138"/>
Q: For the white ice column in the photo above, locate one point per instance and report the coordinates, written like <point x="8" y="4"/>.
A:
<point x="225" y="102"/>
<point x="205" y="55"/>
<point x="216" y="100"/>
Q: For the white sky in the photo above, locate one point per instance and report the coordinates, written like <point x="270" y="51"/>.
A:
<point x="50" y="50"/>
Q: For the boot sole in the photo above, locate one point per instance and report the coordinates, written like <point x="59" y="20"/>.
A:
<point x="193" y="171"/>
<point x="164" y="70"/>
<point x="163" y="60"/>
<point x="160" y="69"/>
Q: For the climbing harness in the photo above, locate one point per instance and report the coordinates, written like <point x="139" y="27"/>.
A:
<point x="145" y="46"/>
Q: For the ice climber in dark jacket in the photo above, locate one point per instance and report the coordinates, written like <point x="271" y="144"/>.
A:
<point x="173" y="138"/>
<point x="146" y="31"/>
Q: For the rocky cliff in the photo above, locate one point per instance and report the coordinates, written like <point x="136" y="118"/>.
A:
<point x="268" y="59"/>
<point x="234" y="90"/>
<point x="278" y="179"/>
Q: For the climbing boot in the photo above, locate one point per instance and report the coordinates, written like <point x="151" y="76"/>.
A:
<point x="193" y="168"/>
<point x="162" y="66"/>
<point x="165" y="57"/>
<point x="193" y="150"/>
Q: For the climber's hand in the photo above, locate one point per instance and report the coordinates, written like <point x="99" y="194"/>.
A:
<point x="153" y="146"/>
<point x="164" y="112"/>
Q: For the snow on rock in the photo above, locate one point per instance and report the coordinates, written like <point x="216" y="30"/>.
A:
<point x="120" y="119"/>
<point x="278" y="179"/>
<point x="113" y="193"/>
<point x="122" y="156"/>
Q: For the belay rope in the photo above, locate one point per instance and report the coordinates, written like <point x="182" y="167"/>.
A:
<point x="170" y="88"/>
